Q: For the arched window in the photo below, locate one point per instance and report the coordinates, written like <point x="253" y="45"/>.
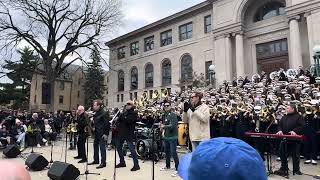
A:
<point x="186" y="67"/>
<point x="166" y="72"/>
<point x="134" y="78"/>
<point x="149" y="75"/>
<point x="120" y="80"/>
<point x="269" y="10"/>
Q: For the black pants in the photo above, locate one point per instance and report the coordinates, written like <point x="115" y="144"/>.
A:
<point x="290" y="148"/>
<point x="99" y="143"/>
<point x="310" y="147"/>
<point x="81" y="146"/>
<point x="260" y="145"/>
<point x="50" y="136"/>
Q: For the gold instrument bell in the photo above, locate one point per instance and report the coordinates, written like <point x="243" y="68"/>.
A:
<point x="308" y="108"/>
<point x="72" y="128"/>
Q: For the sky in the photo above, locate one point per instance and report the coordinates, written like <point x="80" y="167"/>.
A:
<point x="139" y="13"/>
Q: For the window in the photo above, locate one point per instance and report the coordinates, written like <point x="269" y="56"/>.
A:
<point x="149" y="75"/>
<point x="78" y="94"/>
<point x="166" y="72"/>
<point x="60" y="99"/>
<point x="269" y="10"/>
<point x="207" y="24"/>
<point x="166" y="38"/>
<point x="272" y="49"/>
<point x="135" y="95"/>
<point x="35" y="99"/>
<point x="185" y="31"/>
<point x="134" y="78"/>
<point x="62" y="85"/>
<point x="131" y="96"/>
<point x="118" y="98"/>
<point x="46" y="93"/>
<point x="207" y="65"/>
<point x="150" y="94"/>
<point x="134" y="48"/>
<point x="121" y="81"/>
<point x="121" y="97"/>
<point x="121" y="52"/>
<point x="186" y="68"/>
<point x="149" y="43"/>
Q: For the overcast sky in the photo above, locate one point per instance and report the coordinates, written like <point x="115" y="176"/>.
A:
<point x="138" y="13"/>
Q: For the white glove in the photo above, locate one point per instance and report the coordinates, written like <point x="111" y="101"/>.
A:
<point x="105" y="137"/>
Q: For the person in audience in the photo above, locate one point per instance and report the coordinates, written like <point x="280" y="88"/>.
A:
<point x="5" y="137"/>
<point x="18" y="131"/>
<point x="49" y="133"/>
<point x="34" y="131"/>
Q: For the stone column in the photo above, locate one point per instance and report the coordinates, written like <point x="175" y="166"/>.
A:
<point x="239" y="55"/>
<point x="295" y="43"/>
<point x="228" y="59"/>
<point x="310" y="35"/>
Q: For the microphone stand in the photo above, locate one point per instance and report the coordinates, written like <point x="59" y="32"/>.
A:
<point x="66" y="146"/>
<point x="86" y="172"/>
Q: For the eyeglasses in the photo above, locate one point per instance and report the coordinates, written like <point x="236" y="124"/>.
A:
<point x="166" y="105"/>
<point x="193" y="96"/>
<point x="128" y="104"/>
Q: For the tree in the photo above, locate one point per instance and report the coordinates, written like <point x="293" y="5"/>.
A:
<point x="94" y="86"/>
<point x="57" y="29"/>
<point x="20" y="72"/>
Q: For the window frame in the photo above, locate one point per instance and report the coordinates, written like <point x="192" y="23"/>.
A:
<point x="149" y="43"/>
<point x="146" y="80"/>
<point x="188" y="34"/>
<point x="121" y="52"/>
<point x="182" y="63"/>
<point x="131" y="78"/>
<point x="206" y="31"/>
<point x="274" y="6"/>
<point x="123" y="82"/>
<point x="167" y="40"/>
<point x="166" y="65"/>
<point x="134" y="48"/>
<point x="61" y="99"/>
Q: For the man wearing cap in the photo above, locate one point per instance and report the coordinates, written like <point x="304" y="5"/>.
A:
<point x="125" y="132"/>
<point x="292" y="124"/>
<point x="197" y="115"/>
<point x="170" y="136"/>
<point x="223" y="159"/>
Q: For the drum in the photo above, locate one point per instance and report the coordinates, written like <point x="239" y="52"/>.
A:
<point x="144" y="148"/>
<point x="182" y="133"/>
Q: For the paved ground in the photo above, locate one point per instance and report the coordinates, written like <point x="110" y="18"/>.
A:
<point x="124" y="173"/>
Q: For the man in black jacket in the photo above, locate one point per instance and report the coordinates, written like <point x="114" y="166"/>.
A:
<point x="125" y="132"/>
<point x="82" y="122"/>
<point x="101" y="131"/>
<point x="292" y="124"/>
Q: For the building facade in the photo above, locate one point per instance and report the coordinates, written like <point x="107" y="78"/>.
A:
<point x="239" y="37"/>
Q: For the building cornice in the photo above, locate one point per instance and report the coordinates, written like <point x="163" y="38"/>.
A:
<point x="302" y="8"/>
<point x="204" y="5"/>
<point x="230" y="29"/>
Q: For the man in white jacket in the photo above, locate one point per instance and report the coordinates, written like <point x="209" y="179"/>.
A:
<point x="197" y="115"/>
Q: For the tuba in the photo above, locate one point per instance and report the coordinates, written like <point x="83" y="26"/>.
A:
<point x="255" y="77"/>
<point x="273" y="75"/>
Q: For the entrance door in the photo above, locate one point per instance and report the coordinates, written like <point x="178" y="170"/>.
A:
<point x="272" y="56"/>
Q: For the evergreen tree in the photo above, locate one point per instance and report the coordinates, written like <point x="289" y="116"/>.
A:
<point x="94" y="86"/>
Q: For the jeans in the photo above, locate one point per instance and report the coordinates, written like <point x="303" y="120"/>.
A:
<point x="292" y="148"/>
<point x="195" y="144"/>
<point x="99" y="142"/>
<point x="170" y="148"/>
<point x="119" y="145"/>
<point x="21" y="139"/>
<point x="73" y="139"/>
<point x="81" y="147"/>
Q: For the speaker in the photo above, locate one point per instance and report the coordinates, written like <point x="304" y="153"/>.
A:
<point x="36" y="162"/>
<point x="63" y="171"/>
<point x="11" y="151"/>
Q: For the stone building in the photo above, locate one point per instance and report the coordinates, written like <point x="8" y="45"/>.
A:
<point x="239" y="37"/>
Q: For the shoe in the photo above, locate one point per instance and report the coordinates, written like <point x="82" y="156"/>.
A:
<point x="307" y="162"/>
<point x="164" y="169"/>
<point x="82" y="161"/>
<point x="77" y="157"/>
<point x="46" y="144"/>
<point x="282" y="173"/>
<point x="102" y="165"/>
<point x="135" y="168"/>
<point x="297" y="173"/>
<point x="44" y="140"/>
<point x="314" y="162"/>
<point x="38" y="145"/>
<point x="174" y="174"/>
<point x="92" y="163"/>
<point x="120" y="165"/>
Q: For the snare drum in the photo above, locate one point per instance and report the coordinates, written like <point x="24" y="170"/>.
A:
<point x="182" y="133"/>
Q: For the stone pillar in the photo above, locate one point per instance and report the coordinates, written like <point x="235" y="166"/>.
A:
<point x="310" y="35"/>
<point x="295" y="43"/>
<point x="239" y="55"/>
<point x="228" y="59"/>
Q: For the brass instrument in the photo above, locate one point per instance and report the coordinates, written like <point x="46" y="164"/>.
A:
<point x="72" y="127"/>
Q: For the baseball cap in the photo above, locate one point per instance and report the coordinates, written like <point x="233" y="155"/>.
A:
<point x="223" y="159"/>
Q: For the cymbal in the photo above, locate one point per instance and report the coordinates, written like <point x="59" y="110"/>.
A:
<point x="140" y="123"/>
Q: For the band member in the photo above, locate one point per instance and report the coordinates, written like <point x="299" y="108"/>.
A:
<point x="197" y="114"/>
<point x="310" y="146"/>
<point x="125" y="132"/>
<point x="101" y="131"/>
<point x="71" y="120"/>
<point x="82" y="135"/>
<point x="170" y="128"/>
<point x="292" y="124"/>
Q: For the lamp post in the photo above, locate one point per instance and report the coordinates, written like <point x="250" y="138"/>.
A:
<point x="316" y="57"/>
<point x="212" y="73"/>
